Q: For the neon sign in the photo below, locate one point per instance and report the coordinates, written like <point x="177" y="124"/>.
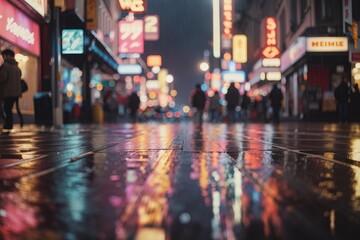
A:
<point x="227" y="18"/>
<point x="271" y="50"/>
<point x="17" y="28"/>
<point x="136" y="6"/>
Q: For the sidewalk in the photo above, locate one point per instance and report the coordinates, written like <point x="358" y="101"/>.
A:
<point x="180" y="181"/>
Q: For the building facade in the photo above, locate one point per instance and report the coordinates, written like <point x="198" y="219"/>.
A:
<point x="314" y="52"/>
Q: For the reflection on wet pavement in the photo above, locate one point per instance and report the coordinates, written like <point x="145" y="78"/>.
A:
<point x="181" y="181"/>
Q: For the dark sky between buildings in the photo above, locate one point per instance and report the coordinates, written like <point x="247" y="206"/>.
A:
<point x="185" y="32"/>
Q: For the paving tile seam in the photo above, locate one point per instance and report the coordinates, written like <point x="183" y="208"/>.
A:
<point x="318" y="193"/>
<point x="304" y="153"/>
<point x="64" y="164"/>
<point x="321" y="134"/>
<point x="314" y="190"/>
<point x="263" y="185"/>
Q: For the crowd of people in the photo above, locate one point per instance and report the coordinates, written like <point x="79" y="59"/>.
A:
<point x="231" y="107"/>
<point x="238" y="107"/>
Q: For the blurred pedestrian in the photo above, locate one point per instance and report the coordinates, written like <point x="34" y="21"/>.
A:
<point x="133" y="105"/>
<point x="276" y="98"/>
<point x="355" y="103"/>
<point x="215" y="107"/>
<point x="198" y="101"/>
<point x="10" y="85"/>
<point x="342" y="94"/>
<point x="112" y="106"/>
<point x="245" y="106"/>
<point x="232" y="98"/>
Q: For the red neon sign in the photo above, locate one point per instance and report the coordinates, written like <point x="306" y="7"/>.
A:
<point x="19" y="29"/>
<point x="227" y="18"/>
<point x="271" y="50"/>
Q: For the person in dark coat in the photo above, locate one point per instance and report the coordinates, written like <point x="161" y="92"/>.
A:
<point x="355" y="103"/>
<point x="342" y="94"/>
<point x="198" y="101"/>
<point x="276" y="98"/>
<point x="133" y="105"/>
<point x="245" y="106"/>
<point x="10" y="85"/>
<point x="232" y="98"/>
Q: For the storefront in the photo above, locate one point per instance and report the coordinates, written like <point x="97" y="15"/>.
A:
<point x="21" y="34"/>
<point x="263" y="76"/>
<point x="313" y="67"/>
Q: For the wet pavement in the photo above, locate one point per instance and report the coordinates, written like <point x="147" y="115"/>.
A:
<point x="181" y="181"/>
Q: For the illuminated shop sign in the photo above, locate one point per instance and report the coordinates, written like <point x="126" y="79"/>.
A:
<point x="129" y="69"/>
<point x="227" y="18"/>
<point x="327" y="44"/>
<point x="153" y="60"/>
<point x="238" y="76"/>
<point x="152" y="84"/>
<point x="72" y="41"/>
<point x="136" y="6"/>
<point x="294" y="52"/>
<point x="152" y="28"/>
<point x="39" y="5"/>
<point x="240" y="48"/>
<point x="17" y="28"/>
<point x="131" y="36"/>
<point x="271" y="32"/>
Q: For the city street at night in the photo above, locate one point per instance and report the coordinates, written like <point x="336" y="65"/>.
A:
<point x="181" y="181"/>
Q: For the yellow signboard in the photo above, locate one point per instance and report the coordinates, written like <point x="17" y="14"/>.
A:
<point x="153" y="60"/>
<point x="240" y="48"/>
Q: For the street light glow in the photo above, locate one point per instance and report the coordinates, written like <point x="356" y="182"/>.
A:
<point x="169" y="78"/>
<point x="204" y="66"/>
<point x="155" y="69"/>
<point x="216" y="28"/>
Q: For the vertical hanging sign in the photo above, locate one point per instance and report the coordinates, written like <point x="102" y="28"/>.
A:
<point x="239" y="48"/>
<point x="271" y="33"/>
<point x="227" y="18"/>
<point x="131" y="36"/>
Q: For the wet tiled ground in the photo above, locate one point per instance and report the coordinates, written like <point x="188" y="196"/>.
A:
<point x="181" y="181"/>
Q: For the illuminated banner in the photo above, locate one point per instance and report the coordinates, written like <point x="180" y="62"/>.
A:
<point x="240" y="48"/>
<point x="271" y="33"/>
<point x="227" y="18"/>
<point x="129" y="69"/>
<point x="131" y="36"/>
<point x="136" y="6"/>
<point x="152" y="27"/>
<point x="39" y="5"/>
<point x="327" y="44"/>
<point x="152" y="84"/>
<point x="293" y="53"/>
<point x="238" y="76"/>
<point x="154" y="60"/>
<point x="17" y="28"/>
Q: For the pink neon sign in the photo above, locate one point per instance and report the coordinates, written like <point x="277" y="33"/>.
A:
<point x="19" y="29"/>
